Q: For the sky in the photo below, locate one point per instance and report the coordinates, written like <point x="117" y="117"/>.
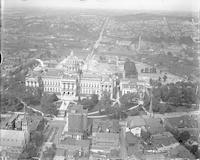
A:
<point x="169" y="5"/>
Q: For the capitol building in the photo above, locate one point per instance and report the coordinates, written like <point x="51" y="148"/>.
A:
<point x="68" y="79"/>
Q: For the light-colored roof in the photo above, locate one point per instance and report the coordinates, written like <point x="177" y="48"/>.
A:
<point x="13" y="138"/>
<point x="109" y="137"/>
<point x="136" y="121"/>
<point x="90" y="75"/>
<point x="73" y="142"/>
<point x="52" y="72"/>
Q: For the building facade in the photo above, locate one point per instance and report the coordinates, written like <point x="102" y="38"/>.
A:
<point x="66" y="81"/>
<point x="14" y="135"/>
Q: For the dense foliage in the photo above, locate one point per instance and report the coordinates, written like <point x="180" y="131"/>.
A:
<point x="36" y="141"/>
<point x="166" y="98"/>
<point x="47" y="104"/>
<point x="89" y="103"/>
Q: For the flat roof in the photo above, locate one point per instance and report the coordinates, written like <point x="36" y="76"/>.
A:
<point x="13" y="138"/>
<point x="136" y="121"/>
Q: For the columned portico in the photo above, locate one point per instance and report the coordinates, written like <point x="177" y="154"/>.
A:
<point x="68" y="88"/>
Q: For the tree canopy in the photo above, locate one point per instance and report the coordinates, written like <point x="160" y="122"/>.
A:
<point x="128" y="99"/>
<point x="90" y="103"/>
<point x="105" y="101"/>
<point x="47" y="104"/>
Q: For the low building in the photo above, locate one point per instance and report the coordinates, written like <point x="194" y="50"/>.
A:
<point x="75" y="148"/>
<point x="135" y="125"/>
<point x="60" y="154"/>
<point x="105" y="139"/>
<point x="162" y="142"/>
<point x="12" y="143"/>
<point x="166" y="145"/>
<point x="105" y="142"/>
<point x="109" y="126"/>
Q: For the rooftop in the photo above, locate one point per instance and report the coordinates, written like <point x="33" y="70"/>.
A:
<point x="106" y="137"/>
<point x="52" y="72"/>
<point x="111" y="126"/>
<point x="73" y="142"/>
<point x="5" y="119"/>
<point x="154" y="125"/>
<point x="12" y="138"/>
<point x="136" y="121"/>
<point x="161" y="140"/>
<point x="183" y="122"/>
<point x="91" y="76"/>
<point x="181" y="152"/>
<point x="60" y="152"/>
<point x="131" y="139"/>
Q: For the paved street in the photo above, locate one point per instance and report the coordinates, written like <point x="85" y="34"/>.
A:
<point x="123" y="150"/>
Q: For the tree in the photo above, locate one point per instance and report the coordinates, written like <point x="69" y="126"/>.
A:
<point x="90" y="103"/>
<point x="156" y="104"/>
<point x="164" y="93"/>
<point x="48" y="98"/>
<point x="94" y="99"/>
<point x="53" y="98"/>
<point x="127" y="99"/>
<point x="105" y="101"/>
<point x="31" y="96"/>
<point x="37" y="137"/>
<point x="118" y="113"/>
<point x="173" y="95"/>
<point x="114" y="152"/>
<point x="184" y="136"/>
<point x="194" y="150"/>
<point x="164" y="78"/>
<point x="50" y="153"/>
<point x="47" y="104"/>
<point x="50" y="109"/>
<point x="30" y="150"/>
<point x="169" y="53"/>
<point x="145" y="135"/>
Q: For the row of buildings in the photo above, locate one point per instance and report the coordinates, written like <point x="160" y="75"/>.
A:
<point x="68" y="80"/>
<point x="144" y="137"/>
<point x="15" y="134"/>
<point x="150" y="138"/>
<point x="83" y="138"/>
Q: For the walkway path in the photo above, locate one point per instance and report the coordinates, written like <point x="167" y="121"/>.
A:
<point x="25" y="105"/>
